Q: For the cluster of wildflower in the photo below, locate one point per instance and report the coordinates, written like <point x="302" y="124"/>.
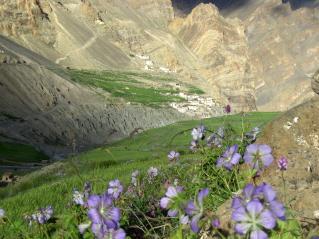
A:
<point x="80" y="198"/>
<point x="170" y="200"/>
<point x="104" y="216"/>
<point x="41" y="216"/>
<point x="173" y="156"/>
<point x="258" y="156"/>
<point x="257" y="211"/>
<point x="115" y="189"/>
<point x="195" y="210"/>
<point x="230" y="158"/>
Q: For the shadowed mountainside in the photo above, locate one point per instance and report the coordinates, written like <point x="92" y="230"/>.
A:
<point x="58" y="116"/>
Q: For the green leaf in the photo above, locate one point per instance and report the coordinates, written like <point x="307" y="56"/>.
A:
<point x="178" y="234"/>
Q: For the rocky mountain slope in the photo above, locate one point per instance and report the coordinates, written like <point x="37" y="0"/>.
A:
<point x="138" y="34"/>
<point x="42" y="107"/>
<point x="283" y="47"/>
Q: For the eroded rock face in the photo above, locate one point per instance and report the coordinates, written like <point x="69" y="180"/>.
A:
<point x="283" y="47"/>
<point x="220" y="45"/>
<point x="23" y="18"/>
<point x="295" y="135"/>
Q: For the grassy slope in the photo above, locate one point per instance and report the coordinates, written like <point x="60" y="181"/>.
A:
<point x="147" y="89"/>
<point x="53" y="185"/>
<point x="18" y="153"/>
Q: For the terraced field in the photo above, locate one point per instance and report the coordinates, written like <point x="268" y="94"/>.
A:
<point x="135" y="87"/>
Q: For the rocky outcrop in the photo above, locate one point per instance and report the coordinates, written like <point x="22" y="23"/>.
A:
<point x="315" y="82"/>
<point x="22" y="18"/>
<point x="283" y="47"/>
<point x="221" y="46"/>
<point x="294" y="134"/>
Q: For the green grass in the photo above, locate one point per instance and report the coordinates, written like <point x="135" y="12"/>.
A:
<point x="53" y="185"/>
<point x="19" y="153"/>
<point x="133" y="86"/>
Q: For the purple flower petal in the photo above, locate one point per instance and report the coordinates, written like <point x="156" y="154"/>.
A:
<point x="171" y="192"/>
<point x="278" y="209"/>
<point x="94" y="201"/>
<point x="267" y="159"/>
<point x="264" y="149"/>
<point x="258" y="234"/>
<point x="236" y="203"/>
<point x="252" y="148"/>
<point x="242" y="228"/>
<point x="269" y="193"/>
<point x="172" y="212"/>
<point x="183" y="219"/>
<point x="119" y="234"/>
<point x="194" y="223"/>
<point x="94" y="215"/>
<point x="240" y="215"/>
<point x="248" y="191"/>
<point x="236" y="158"/>
<point x="115" y="214"/>
<point x="267" y="220"/>
<point x="191" y="209"/>
<point x="254" y="207"/>
<point x="164" y="202"/>
<point x="201" y="195"/>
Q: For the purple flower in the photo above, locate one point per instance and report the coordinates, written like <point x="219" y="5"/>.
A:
<point x="227" y="109"/>
<point x="101" y="231"/>
<point x="195" y="209"/>
<point x="173" y="156"/>
<point x="194" y="146"/>
<point x="198" y="133"/>
<point x="253" y="219"/>
<point x="78" y="198"/>
<point x="216" y="223"/>
<point x="101" y="211"/>
<point x="2" y="213"/>
<point x="229" y="158"/>
<point x="258" y="156"/>
<point x="265" y="194"/>
<point x="115" y="188"/>
<point x="41" y="216"/>
<point x="282" y="163"/>
<point x="168" y="201"/>
<point x="134" y="177"/>
<point x="183" y="219"/>
<point x="152" y="172"/>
